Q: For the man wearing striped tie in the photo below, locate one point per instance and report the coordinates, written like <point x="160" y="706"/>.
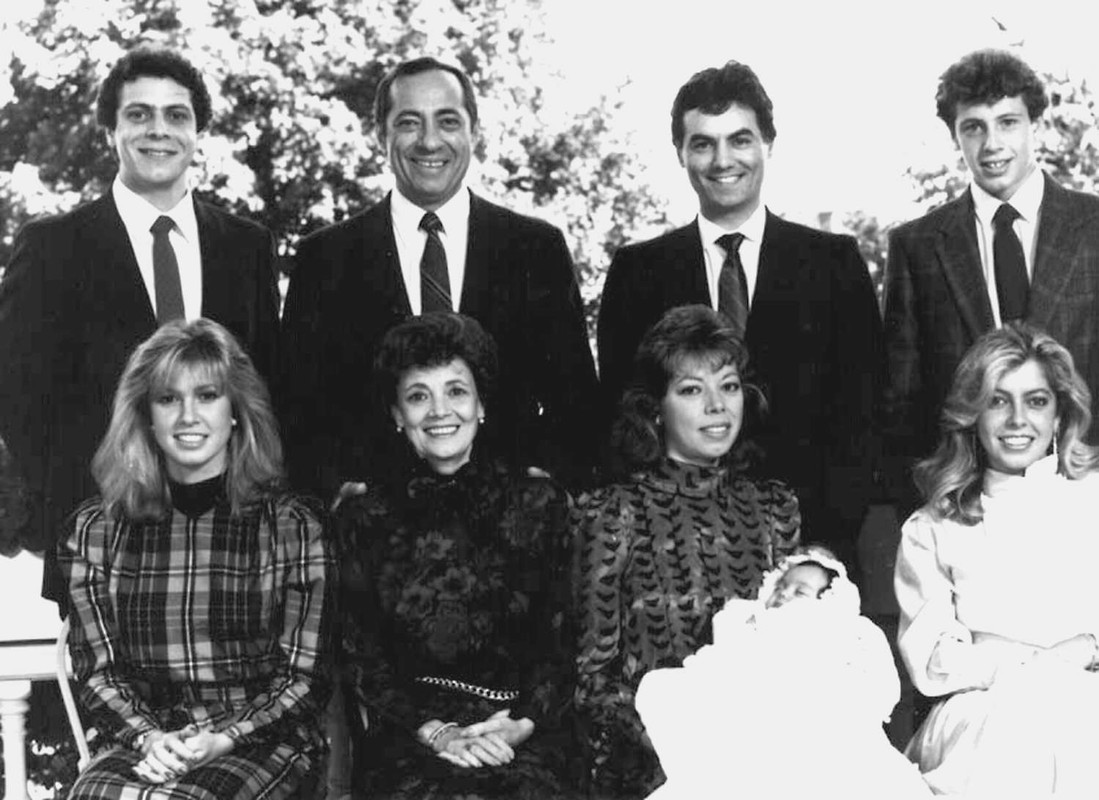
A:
<point x="85" y="287"/>
<point x="801" y="298"/>
<point x="433" y="245"/>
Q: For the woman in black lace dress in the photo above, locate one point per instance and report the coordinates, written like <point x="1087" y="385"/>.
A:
<point x="455" y="583"/>
<point x="659" y="553"/>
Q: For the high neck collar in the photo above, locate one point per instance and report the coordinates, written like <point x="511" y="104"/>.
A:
<point x="999" y="483"/>
<point x="688" y="479"/>
<point x="195" y="499"/>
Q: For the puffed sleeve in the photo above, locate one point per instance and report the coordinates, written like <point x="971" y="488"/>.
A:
<point x="617" y="751"/>
<point x="298" y="690"/>
<point x="938" y="651"/>
<point x="95" y="642"/>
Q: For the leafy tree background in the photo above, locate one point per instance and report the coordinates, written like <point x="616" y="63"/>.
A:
<point x="293" y="82"/>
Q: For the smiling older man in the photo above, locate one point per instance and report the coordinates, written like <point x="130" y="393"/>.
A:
<point x="84" y="288"/>
<point x="433" y="245"/>
<point x="801" y="298"/>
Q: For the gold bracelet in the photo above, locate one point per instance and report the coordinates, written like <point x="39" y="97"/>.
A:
<point x="435" y="734"/>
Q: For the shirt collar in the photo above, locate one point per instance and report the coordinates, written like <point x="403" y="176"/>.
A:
<point x="454" y="213"/>
<point x="1026" y="200"/>
<point x="752" y="228"/>
<point x="139" y="214"/>
<point x="998" y="483"/>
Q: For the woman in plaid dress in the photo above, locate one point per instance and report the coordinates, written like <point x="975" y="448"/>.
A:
<point x="197" y="589"/>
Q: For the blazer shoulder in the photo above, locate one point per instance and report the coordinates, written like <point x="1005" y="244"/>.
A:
<point x="51" y="225"/>
<point x="933" y="221"/>
<point x="498" y="216"/>
<point x="348" y="229"/>
<point x="812" y="237"/>
<point x="233" y="224"/>
<point x="662" y="249"/>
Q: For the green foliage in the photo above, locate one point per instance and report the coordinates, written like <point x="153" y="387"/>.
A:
<point x="293" y="82"/>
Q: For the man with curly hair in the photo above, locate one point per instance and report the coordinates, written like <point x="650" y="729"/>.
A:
<point x="1014" y="245"/>
<point x="85" y="287"/>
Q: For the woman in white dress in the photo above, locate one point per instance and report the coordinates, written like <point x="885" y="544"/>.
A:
<point x="995" y="578"/>
<point x="748" y="717"/>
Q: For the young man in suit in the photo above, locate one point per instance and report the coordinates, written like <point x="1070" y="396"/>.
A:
<point x="802" y="299"/>
<point x="1015" y="245"/>
<point x="85" y="287"/>
<point x="433" y="245"/>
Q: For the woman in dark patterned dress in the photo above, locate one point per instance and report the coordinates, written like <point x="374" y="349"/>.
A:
<point x="197" y="588"/>
<point x="455" y="581"/>
<point x="658" y="554"/>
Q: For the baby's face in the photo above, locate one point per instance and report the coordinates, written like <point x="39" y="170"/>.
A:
<point x="801" y="582"/>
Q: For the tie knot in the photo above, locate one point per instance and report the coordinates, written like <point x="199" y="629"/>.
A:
<point x="1005" y="215"/>
<point x="431" y="223"/>
<point x="730" y="242"/>
<point x="163" y="224"/>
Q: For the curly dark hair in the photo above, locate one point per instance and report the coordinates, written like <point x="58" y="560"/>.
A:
<point x="985" y="77"/>
<point x="151" y="62"/>
<point x="686" y="332"/>
<point x="714" y="90"/>
<point x="431" y="340"/>
<point x="383" y="99"/>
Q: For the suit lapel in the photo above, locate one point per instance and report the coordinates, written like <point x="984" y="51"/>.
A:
<point x="480" y="253"/>
<point x="376" y="244"/>
<point x="1054" y="254"/>
<point x="691" y="266"/>
<point x="112" y="260"/>
<point x="217" y="256"/>
<point x="959" y="257"/>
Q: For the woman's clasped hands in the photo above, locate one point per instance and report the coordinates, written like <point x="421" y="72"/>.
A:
<point x="168" y="755"/>
<point x="491" y="742"/>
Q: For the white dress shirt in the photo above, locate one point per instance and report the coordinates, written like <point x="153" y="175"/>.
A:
<point x="454" y="214"/>
<point x="1027" y="200"/>
<point x="749" y="250"/>
<point x="138" y="215"/>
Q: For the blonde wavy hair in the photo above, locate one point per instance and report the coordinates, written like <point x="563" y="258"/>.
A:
<point x="950" y="479"/>
<point x="129" y="467"/>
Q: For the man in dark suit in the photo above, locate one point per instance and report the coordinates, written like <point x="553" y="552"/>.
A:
<point x="1015" y="245"/>
<point x="432" y="245"/>
<point x="85" y="287"/>
<point x="802" y="298"/>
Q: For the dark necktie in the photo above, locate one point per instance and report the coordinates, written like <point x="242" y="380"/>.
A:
<point x="732" y="286"/>
<point x="1009" y="263"/>
<point x="166" y="287"/>
<point x="434" y="282"/>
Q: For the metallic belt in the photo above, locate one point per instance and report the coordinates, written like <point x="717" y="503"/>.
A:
<point x="497" y="695"/>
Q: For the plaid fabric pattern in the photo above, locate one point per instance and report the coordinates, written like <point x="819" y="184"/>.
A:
<point x="213" y="620"/>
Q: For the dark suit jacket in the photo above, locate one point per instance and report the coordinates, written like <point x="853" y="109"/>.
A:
<point x="73" y="306"/>
<point x="937" y="305"/>
<point x="814" y="344"/>
<point x="347" y="291"/>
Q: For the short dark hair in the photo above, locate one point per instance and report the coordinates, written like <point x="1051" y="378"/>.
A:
<point x="431" y="340"/>
<point x="683" y="333"/>
<point x="383" y="101"/>
<point x="714" y="90"/>
<point x="151" y="62"/>
<point x="985" y="77"/>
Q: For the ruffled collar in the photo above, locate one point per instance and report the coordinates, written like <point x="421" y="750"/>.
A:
<point x="677" y="477"/>
<point x="426" y="482"/>
<point x="195" y="499"/>
<point x="1041" y="472"/>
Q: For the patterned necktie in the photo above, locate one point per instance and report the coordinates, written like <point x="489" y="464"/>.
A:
<point x="1009" y="263"/>
<point x="732" y="286"/>
<point x="434" y="282"/>
<point x="166" y="287"/>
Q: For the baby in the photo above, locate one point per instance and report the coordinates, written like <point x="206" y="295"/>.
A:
<point x="791" y="696"/>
